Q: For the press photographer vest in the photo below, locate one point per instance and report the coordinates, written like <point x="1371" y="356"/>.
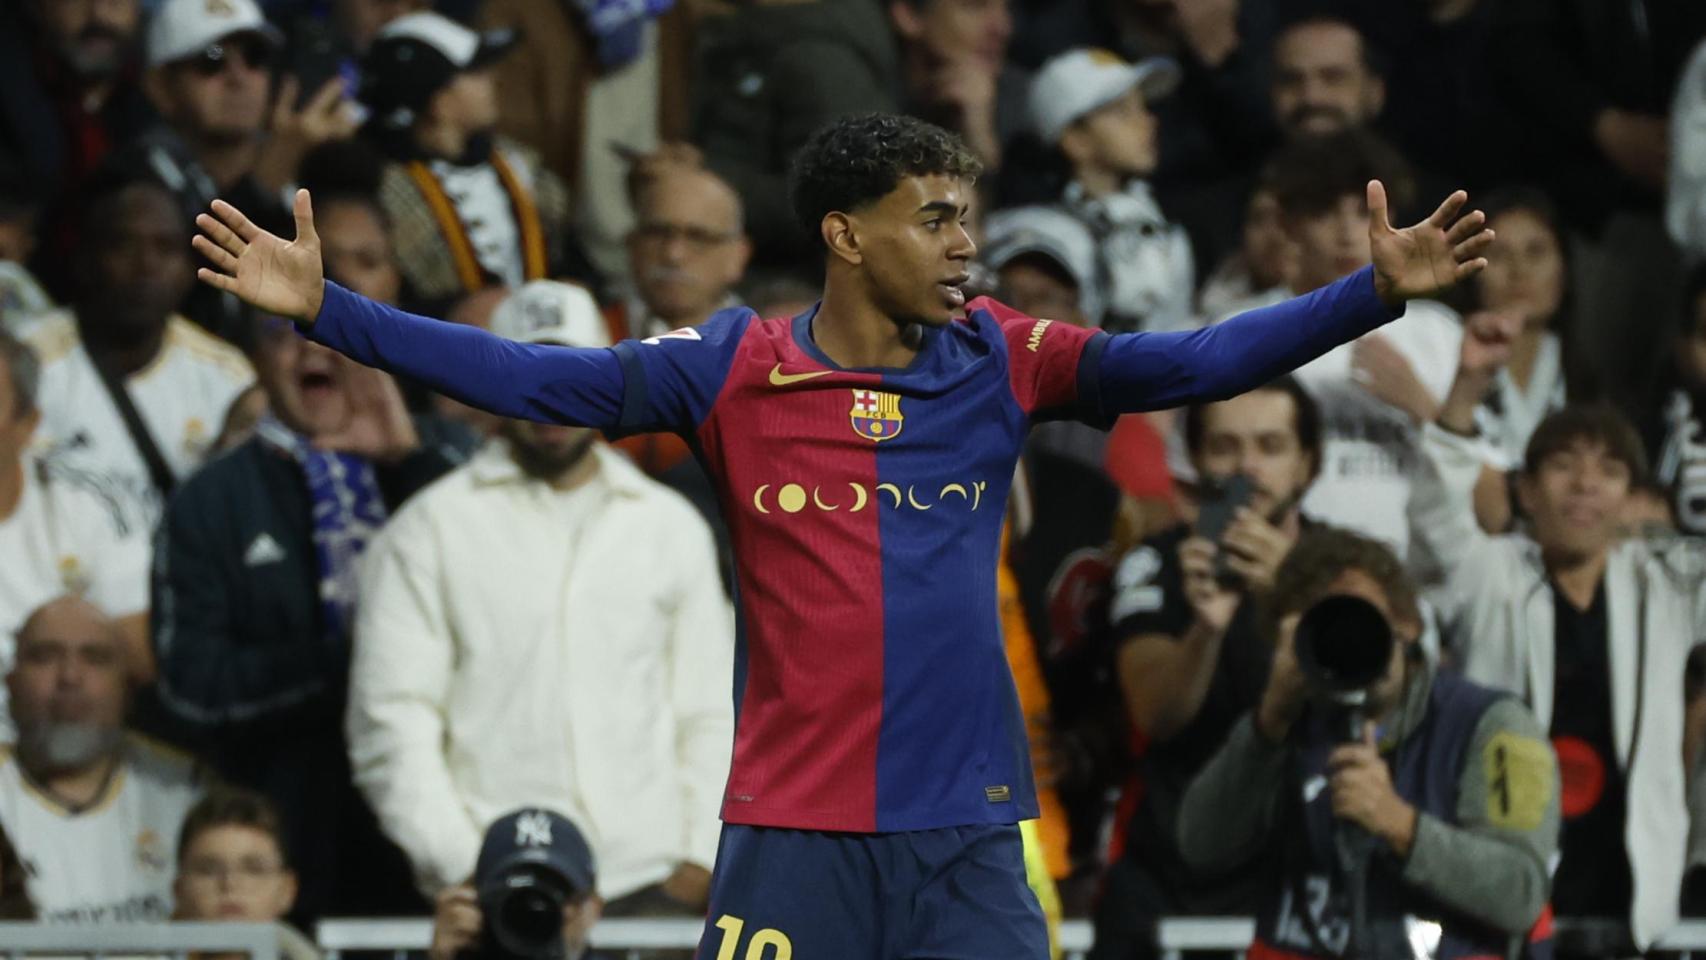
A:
<point x="1309" y="915"/>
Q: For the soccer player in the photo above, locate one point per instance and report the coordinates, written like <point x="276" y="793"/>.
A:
<point x="863" y="452"/>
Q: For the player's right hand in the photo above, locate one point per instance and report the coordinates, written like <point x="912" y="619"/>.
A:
<point x="280" y="277"/>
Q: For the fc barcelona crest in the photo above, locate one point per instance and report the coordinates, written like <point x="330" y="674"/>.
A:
<point x="876" y="415"/>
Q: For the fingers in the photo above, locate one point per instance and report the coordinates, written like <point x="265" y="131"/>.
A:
<point x="326" y="97"/>
<point x="217" y="255"/>
<point x="1442" y="217"/>
<point x="219" y="233"/>
<point x="233" y="218"/>
<point x="1473" y="247"/>
<point x="1465" y="227"/>
<point x="1469" y="268"/>
<point x="1377" y="217"/>
<point x="281" y="109"/>
<point x="218" y="281"/>
<point x="304" y="211"/>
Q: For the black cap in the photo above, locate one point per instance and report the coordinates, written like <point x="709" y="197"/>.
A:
<point x="535" y="837"/>
<point x="415" y="56"/>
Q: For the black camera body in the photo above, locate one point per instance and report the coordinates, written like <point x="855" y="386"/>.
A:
<point x="521" y="909"/>
<point x="1343" y="645"/>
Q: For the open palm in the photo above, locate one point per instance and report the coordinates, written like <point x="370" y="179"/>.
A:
<point x="1432" y="256"/>
<point x="280" y="277"/>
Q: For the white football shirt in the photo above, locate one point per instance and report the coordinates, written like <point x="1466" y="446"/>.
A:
<point x="114" y="861"/>
<point x="182" y="397"/>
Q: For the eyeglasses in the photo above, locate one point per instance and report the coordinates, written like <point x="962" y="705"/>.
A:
<point x="698" y="239"/>
<point x="254" y="53"/>
<point x="246" y="872"/>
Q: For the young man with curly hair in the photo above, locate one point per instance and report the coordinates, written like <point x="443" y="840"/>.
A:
<point x="863" y="452"/>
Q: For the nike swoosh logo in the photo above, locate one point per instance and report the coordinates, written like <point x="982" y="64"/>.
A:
<point x="780" y="379"/>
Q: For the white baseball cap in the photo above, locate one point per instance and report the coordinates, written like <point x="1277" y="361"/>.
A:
<point x="1080" y="81"/>
<point x="550" y="311"/>
<point x="1052" y="233"/>
<point x="184" y="28"/>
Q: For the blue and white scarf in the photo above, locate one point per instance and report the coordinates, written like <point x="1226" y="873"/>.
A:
<point x="618" y="27"/>
<point x="347" y="511"/>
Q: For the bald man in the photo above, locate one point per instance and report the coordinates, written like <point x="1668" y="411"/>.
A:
<point x="688" y="249"/>
<point x="94" y="811"/>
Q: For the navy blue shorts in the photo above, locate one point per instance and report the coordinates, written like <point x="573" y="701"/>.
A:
<point x="957" y="893"/>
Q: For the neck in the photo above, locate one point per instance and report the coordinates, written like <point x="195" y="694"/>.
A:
<point x="122" y="352"/>
<point x="853" y="332"/>
<point x="1524" y="352"/>
<point x="1099" y="182"/>
<point x="11" y="488"/>
<point x="77" y="788"/>
<point x="1577" y="577"/>
<point x="227" y="160"/>
<point x="577" y="475"/>
<point x="443" y="141"/>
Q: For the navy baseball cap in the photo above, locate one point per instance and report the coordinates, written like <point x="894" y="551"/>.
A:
<point x="535" y="837"/>
<point x="415" y="56"/>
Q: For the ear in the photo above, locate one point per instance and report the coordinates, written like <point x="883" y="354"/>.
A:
<point x="906" y="20"/>
<point x="287" y="892"/>
<point x="1075" y="144"/>
<point x="741" y="256"/>
<point x="1377" y="94"/>
<point x="841" y="236"/>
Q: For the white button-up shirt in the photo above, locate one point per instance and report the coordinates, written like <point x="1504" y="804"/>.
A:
<point x="519" y="645"/>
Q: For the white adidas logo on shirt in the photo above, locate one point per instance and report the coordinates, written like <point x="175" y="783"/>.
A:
<point x="262" y="551"/>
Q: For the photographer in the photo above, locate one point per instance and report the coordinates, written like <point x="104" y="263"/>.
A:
<point x="1446" y="810"/>
<point x="531" y="898"/>
<point x="1190" y="659"/>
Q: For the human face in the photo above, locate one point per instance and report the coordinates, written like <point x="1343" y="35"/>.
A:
<point x="235" y="873"/>
<point x="547" y="451"/>
<point x="67" y="687"/>
<point x="1255" y="434"/>
<point x="1117" y="138"/>
<point x="1034" y="289"/>
<point x="687" y="250"/>
<point x="1332" y="243"/>
<point x="1321" y="84"/>
<point x="952" y="29"/>
<point x="93" y="37"/>
<point x="307" y="385"/>
<point x="468" y="104"/>
<point x="16" y="429"/>
<point x="219" y="95"/>
<point x="1525" y="269"/>
<point x="1268" y="252"/>
<point x="1576" y="498"/>
<point x="140" y="265"/>
<point x="357" y="251"/>
<point x="914" y="249"/>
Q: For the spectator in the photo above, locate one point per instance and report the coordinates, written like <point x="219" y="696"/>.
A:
<point x="1046" y="263"/>
<point x="1264" y="262"/>
<point x="540" y="849"/>
<point x="468" y="210"/>
<point x="209" y="76"/>
<point x="1457" y="798"/>
<point x="1374" y="392"/>
<point x="56" y="538"/>
<point x="1190" y="657"/>
<point x="768" y="75"/>
<point x="95" y="811"/>
<point x="954" y="71"/>
<point x="131" y="394"/>
<point x="1324" y="80"/>
<point x="232" y="867"/>
<point x="1677" y="433"/>
<point x="255" y="592"/>
<point x="1092" y="106"/>
<point x="623" y="629"/>
<point x="1589" y="627"/>
<point x="688" y="251"/>
<point x="572" y="94"/>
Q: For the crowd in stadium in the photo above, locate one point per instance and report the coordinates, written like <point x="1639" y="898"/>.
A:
<point x="283" y="635"/>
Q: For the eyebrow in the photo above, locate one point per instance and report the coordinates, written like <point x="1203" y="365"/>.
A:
<point x="943" y="206"/>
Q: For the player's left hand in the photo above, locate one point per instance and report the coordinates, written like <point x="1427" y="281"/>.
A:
<point x="1363" y="793"/>
<point x="1434" y="255"/>
<point x="379" y="426"/>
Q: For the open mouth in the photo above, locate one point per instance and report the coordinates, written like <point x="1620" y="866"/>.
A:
<point x="953" y="290"/>
<point x="315" y="384"/>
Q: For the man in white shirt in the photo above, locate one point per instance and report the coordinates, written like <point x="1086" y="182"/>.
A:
<point x="56" y="538"/>
<point x="546" y="626"/>
<point x="94" y="811"/>
<point x="124" y="337"/>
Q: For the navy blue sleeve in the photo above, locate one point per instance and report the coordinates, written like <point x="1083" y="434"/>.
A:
<point x="673" y="380"/>
<point x="1133" y="372"/>
<point x="529" y="381"/>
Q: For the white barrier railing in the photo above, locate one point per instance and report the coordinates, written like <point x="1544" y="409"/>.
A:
<point x="258" y="940"/>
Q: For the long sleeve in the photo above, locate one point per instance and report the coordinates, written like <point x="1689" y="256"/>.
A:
<point x="1492" y="864"/>
<point x="701" y="644"/>
<point x="399" y="686"/>
<point x="1442" y="515"/>
<point x="1220" y="825"/>
<point x="553" y="384"/>
<point x="1134" y="372"/>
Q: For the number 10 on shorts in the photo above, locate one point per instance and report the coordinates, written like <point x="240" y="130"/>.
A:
<point x="755" y="948"/>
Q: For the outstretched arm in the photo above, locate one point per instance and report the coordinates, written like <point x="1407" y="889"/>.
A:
<point x="1152" y="371"/>
<point x="583" y="387"/>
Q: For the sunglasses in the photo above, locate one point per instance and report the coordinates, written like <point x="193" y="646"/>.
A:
<point x="255" y="53"/>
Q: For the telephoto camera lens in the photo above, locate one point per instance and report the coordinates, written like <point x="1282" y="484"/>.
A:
<point x="1343" y="645"/>
<point x="525" y="914"/>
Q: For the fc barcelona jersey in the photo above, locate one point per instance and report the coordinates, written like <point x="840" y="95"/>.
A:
<point x="865" y="508"/>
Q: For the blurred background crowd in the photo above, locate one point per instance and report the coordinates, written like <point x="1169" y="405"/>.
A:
<point x="343" y="623"/>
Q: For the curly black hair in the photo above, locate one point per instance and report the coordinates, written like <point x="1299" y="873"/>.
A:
<point x="858" y="160"/>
